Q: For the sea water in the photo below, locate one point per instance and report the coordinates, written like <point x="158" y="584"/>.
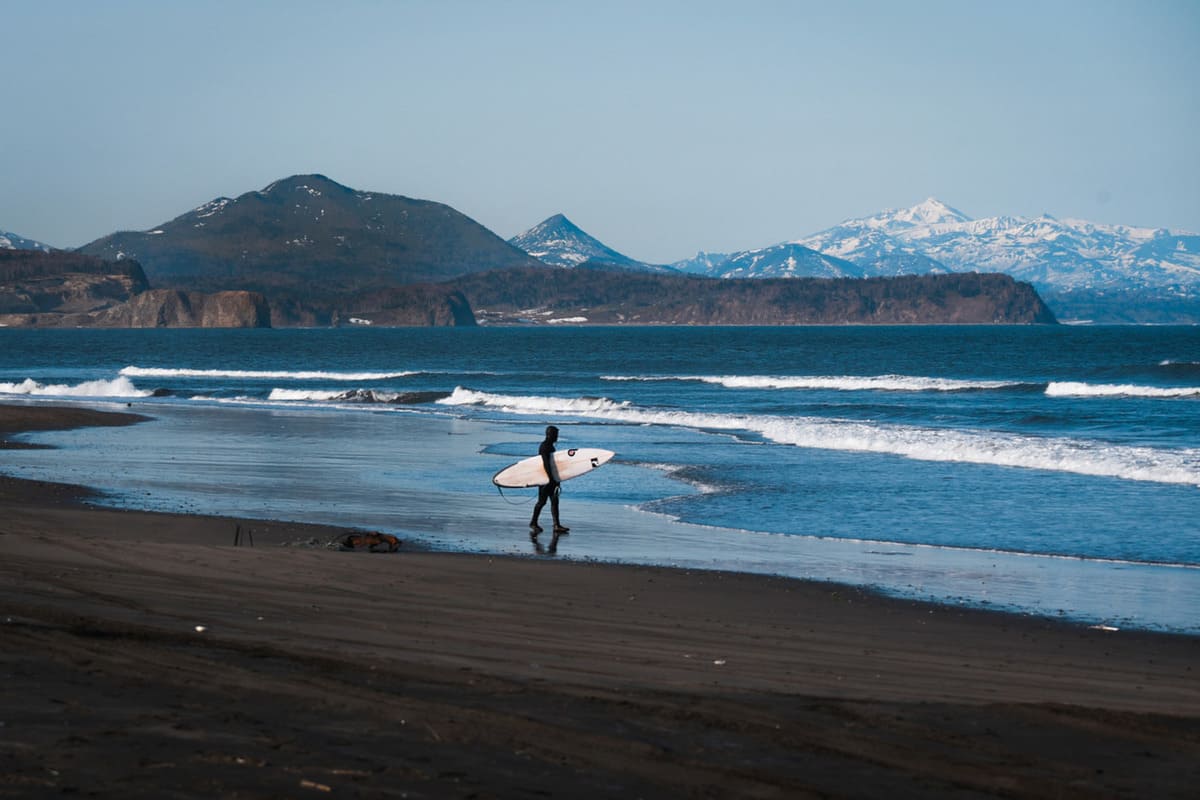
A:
<point x="1048" y="470"/>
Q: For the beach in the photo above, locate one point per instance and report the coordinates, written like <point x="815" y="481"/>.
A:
<point x="145" y="654"/>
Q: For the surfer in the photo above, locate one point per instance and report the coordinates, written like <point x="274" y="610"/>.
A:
<point x="548" y="491"/>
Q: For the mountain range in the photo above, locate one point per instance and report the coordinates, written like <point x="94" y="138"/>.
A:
<point x="1107" y="271"/>
<point x="1045" y="251"/>
<point x="789" y="260"/>
<point x="559" y="242"/>
<point x="318" y="250"/>
<point x="932" y="237"/>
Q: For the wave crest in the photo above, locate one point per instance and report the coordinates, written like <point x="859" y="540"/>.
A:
<point x="1077" y="389"/>
<point x="119" y="387"/>
<point x="365" y="396"/>
<point x="842" y="383"/>
<point x="1078" y="456"/>
<point x="301" y="375"/>
<point x="534" y="404"/>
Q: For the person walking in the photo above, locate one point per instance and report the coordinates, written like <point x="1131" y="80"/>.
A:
<point x="550" y="490"/>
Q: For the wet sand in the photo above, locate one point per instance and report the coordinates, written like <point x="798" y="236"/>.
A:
<point x="143" y="655"/>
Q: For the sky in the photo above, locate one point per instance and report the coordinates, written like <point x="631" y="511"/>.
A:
<point x="661" y="128"/>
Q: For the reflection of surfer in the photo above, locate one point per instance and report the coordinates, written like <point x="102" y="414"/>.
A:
<point x="548" y="491"/>
<point x="544" y="550"/>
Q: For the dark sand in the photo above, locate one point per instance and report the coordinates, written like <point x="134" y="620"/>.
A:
<point x="142" y="655"/>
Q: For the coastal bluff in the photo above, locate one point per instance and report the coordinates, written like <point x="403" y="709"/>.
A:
<point x="33" y="282"/>
<point x="170" y="308"/>
<point x="583" y="296"/>
<point x="72" y="290"/>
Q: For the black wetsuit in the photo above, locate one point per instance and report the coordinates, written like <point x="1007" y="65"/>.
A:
<point x="548" y="491"/>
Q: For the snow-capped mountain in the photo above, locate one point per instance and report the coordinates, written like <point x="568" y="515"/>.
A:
<point x="1087" y="270"/>
<point x="1052" y="254"/>
<point x="925" y="214"/>
<point x="703" y="263"/>
<point x="876" y="252"/>
<point x="787" y="260"/>
<point x="11" y="241"/>
<point x="561" y="243"/>
<point x="855" y="249"/>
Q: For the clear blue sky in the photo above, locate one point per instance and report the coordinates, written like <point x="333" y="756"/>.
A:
<point x="662" y="128"/>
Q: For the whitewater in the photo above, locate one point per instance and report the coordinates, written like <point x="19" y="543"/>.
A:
<point x="925" y="444"/>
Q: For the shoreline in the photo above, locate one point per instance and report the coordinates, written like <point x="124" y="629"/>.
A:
<point x="25" y="418"/>
<point x="444" y="509"/>
<point x="143" y="651"/>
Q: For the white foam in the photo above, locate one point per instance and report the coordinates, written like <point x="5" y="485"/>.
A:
<point x="1078" y="456"/>
<point x="303" y="395"/>
<point x="164" y="372"/>
<point x="1074" y="389"/>
<point x="534" y="404"/>
<point x="120" y="387"/>
<point x="677" y="472"/>
<point x="845" y="383"/>
<point x="353" y="396"/>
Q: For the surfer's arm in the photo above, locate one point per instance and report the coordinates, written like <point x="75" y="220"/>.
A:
<point x="548" y="464"/>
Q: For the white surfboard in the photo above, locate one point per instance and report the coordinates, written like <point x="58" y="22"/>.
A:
<point x="568" y="463"/>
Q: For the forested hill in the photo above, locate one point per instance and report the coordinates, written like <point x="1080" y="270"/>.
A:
<point x="603" y="297"/>
<point x="313" y="237"/>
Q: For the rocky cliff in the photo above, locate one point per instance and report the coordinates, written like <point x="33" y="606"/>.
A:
<point x="169" y="308"/>
<point x="60" y="289"/>
<point x="159" y="308"/>
<point x="417" y="305"/>
<point x="34" y="282"/>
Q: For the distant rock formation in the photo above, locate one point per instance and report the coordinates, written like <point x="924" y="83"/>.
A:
<point x="160" y="308"/>
<point x="579" y="296"/>
<point x="415" y="305"/>
<point x="170" y="308"/>
<point x="61" y="289"/>
<point x="34" y="282"/>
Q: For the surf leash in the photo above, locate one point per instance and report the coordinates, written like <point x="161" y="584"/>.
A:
<point x="500" y="489"/>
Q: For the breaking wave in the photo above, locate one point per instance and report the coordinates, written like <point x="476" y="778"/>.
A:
<point x="907" y="383"/>
<point x="845" y="383"/>
<point x="120" y="387"/>
<point x="1059" y="454"/>
<point x="365" y="396"/>
<point x="1074" y="389"/>
<point x="537" y="405"/>
<point x="165" y="372"/>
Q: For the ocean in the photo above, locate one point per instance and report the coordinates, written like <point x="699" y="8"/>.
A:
<point x="1052" y="471"/>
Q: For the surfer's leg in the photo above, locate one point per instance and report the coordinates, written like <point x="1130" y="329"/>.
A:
<point x="558" y="526"/>
<point x="543" y="495"/>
